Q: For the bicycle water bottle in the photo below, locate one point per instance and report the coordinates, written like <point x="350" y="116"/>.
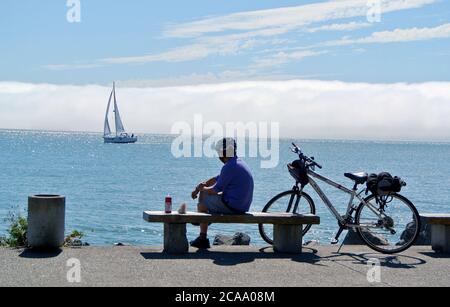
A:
<point x="168" y="205"/>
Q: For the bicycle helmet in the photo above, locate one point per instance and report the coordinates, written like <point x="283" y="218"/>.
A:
<point x="298" y="170"/>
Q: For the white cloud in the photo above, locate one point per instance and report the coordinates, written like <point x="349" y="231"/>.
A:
<point x="257" y="25"/>
<point x="351" y="26"/>
<point x="222" y="45"/>
<point x="62" y="67"/>
<point x="185" y="53"/>
<point x="288" y="17"/>
<point x="206" y="78"/>
<point x="202" y="48"/>
<point x="305" y="109"/>
<point x="397" y="35"/>
<point x="281" y="58"/>
<point x="191" y="79"/>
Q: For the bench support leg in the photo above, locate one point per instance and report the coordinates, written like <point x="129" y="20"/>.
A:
<point x="440" y="238"/>
<point x="175" y="239"/>
<point x="288" y="238"/>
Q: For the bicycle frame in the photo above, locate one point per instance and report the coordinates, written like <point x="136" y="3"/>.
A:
<point x="353" y="194"/>
<point x="356" y="217"/>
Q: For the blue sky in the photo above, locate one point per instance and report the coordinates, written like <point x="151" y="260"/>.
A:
<point x="322" y="69"/>
<point x="169" y="42"/>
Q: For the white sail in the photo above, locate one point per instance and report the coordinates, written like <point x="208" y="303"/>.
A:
<point x="120" y="137"/>
<point x="119" y="125"/>
<point x="107" y="128"/>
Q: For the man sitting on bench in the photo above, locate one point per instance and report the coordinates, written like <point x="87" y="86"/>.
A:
<point x="229" y="193"/>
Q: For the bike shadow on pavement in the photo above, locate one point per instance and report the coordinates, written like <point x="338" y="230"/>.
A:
<point x="231" y="258"/>
<point x="388" y="261"/>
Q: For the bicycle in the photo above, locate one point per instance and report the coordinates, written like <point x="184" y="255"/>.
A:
<point x="388" y="224"/>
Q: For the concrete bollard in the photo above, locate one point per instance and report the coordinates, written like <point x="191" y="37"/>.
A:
<point x="46" y="221"/>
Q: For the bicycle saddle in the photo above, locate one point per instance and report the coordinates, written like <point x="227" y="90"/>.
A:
<point x="359" y="178"/>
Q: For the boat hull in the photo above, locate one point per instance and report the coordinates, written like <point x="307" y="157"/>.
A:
<point x="120" y="140"/>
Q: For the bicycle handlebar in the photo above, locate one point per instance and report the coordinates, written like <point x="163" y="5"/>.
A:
<point x="311" y="161"/>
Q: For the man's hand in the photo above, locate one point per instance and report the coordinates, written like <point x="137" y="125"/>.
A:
<point x="204" y="186"/>
<point x="197" y="190"/>
<point x="195" y="194"/>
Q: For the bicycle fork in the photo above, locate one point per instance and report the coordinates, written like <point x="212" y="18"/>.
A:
<point x="297" y="201"/>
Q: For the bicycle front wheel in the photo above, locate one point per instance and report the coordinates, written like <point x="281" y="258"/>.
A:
<point x="390" y="225"/>
<point x="285" y="203"/>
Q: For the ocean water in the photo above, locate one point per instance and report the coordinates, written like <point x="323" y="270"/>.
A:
<point x="109" y="186"/>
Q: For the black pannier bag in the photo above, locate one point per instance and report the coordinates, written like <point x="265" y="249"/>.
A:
<point x="298" y="170"/>
<point x="372" y="184"/>
<point x="384" y="184"/>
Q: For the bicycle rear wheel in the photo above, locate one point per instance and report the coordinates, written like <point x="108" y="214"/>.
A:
<point x="395" y="231"/>
<point x="285" y="202"/>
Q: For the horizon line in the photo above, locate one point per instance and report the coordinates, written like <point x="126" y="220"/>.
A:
<point x="285" y="138"/>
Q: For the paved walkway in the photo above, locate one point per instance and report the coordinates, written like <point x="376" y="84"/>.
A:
<point x="223" y="266"/>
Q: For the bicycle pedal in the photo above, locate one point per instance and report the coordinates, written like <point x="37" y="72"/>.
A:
<point x="334" y="242"/>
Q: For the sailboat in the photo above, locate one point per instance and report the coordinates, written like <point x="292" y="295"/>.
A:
<point x="120" y="136"/>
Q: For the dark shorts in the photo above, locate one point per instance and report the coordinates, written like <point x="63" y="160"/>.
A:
<point x="215" y="205"/>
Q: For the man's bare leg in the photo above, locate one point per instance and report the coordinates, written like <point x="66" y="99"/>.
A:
<point x="203" y="209"/>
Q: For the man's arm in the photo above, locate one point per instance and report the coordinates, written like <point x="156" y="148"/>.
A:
<point x="205" y="187"/>
<point x="209" y="190"/>
<point x="211" y="182"/>
<point x="222" y="182"/>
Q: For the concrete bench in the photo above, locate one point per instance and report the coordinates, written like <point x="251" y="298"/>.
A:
<point x="287" y="227"/>
<point x="440" y="231"/>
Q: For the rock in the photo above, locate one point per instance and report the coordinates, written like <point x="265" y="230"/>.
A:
<point x="73" y="242"/>
<point x="222" y="240"/>
<point x="239" y="239"/>
<point x="424" y="238"/>
<point x="353" y="238"/>
<point x="77" y="243"/>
